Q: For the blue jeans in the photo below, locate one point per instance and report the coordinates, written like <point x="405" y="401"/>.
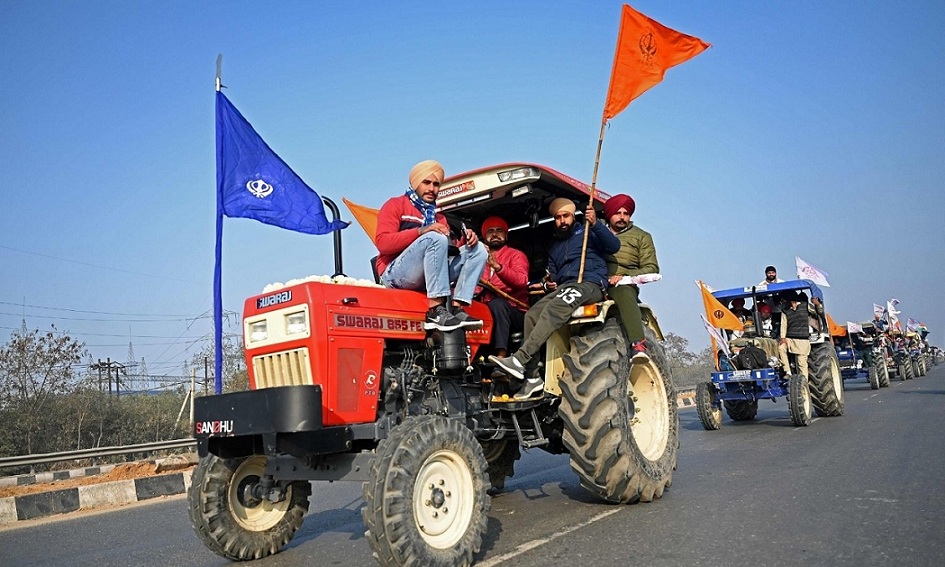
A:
<point x="425" y="265"/>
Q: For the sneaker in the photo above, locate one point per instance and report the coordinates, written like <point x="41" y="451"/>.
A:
<point x="466" y="320"/>
<point x="510" y="365"/>
<point x="639" y="351"/>
<point x="441" y="319"/>
<point x="531" y="387"/>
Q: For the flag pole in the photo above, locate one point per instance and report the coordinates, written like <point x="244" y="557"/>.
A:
<point x="587" y="224"/>
<point x="218" y="253"/>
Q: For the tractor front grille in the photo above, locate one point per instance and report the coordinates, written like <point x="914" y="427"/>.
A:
<point x="289" y="368"/>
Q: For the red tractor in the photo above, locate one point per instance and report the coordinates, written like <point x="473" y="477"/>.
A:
<point x="345" y="384"/>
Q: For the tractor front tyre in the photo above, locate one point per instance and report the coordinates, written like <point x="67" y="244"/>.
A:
<point x="621" y="425"/>
<point x="501" y="456"/>
<point x="872" y="376"/>
<point x="425" y="500"/>
<point x="825" y="380"/>
<point x="799" y="400"/>
<point x="741" y="410"/>
<point x="710" y="412"/>
<point x="232" y="522"/>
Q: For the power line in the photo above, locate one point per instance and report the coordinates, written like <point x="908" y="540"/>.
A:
<point x="100" y="267"/>
<point x="205" y="314"/>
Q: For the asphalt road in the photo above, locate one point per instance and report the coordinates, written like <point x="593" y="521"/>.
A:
<point x="867" y="488"/>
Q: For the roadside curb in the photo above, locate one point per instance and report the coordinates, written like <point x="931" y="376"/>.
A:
<point x="686" y="399"/>
<point x="38" y="478"/>
<point x="42" y="504"/>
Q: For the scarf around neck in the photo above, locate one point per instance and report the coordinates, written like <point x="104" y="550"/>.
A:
<point x="428" y="210"/>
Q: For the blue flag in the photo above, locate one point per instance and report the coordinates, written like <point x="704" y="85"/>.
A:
<point x="253" y="182"/>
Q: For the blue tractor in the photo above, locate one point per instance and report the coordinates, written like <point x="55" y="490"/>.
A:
<point x="752" y="370"/>
<point x="861" y="355"/>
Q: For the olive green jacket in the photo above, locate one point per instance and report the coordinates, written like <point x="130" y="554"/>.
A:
<point x="637" y="254"/>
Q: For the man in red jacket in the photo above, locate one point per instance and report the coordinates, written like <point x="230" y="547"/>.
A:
<point x="507" y="271"/>
<point x="414" y="240"/>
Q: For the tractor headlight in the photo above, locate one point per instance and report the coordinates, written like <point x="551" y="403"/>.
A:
<point x="258" y="331"/>
<point x="296" y="323"/>
<point x="520" y="173"/>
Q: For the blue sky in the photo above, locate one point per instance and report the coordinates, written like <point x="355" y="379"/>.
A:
<point x="812" y="129"/>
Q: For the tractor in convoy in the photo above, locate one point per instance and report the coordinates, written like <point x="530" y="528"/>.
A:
<point x="754" y="371"/>
<point x="853" y="365"/>
<point x="345" y="384"/>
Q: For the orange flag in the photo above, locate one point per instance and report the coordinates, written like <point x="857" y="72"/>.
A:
<point x="366" y="217"/>
<point x="835" y="329"/>
<point x="718" y="314"/>
<point x="645" y="50"/>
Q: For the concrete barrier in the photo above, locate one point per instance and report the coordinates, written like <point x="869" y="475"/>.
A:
<point x="42" y="504"/>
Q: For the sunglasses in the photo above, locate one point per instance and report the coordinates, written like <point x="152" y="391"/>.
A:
<point x="428" y="182"/>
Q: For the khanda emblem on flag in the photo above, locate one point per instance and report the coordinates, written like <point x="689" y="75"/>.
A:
<point x="647" y="47"/>
<point x="718" y="314"/>
<point x="259" y="188"/>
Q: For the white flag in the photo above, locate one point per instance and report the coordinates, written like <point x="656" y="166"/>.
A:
<point x="878" y="311"/>
<point x="720" y="341"/>
<point x="854" y="328"/>
<point x="807" y="272"/>
<point x="891" y="311"/>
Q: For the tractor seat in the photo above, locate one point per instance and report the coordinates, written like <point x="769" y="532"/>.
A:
<point x="377" y="276"/>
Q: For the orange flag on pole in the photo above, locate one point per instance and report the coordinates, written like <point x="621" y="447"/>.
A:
<point x="717" y="314"/>
<point x="366" y="217"/>
<point x="835" y="329"/>
<point x="645" y="50"/>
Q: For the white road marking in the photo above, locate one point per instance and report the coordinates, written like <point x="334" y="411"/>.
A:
<point x="527" y="546"/>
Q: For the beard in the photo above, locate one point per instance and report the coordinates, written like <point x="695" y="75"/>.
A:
<point x="563" y="233"/>
<point x="495" y="244"/>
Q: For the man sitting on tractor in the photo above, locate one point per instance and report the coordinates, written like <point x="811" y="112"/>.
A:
<point x="507" y="275"/>
<point x="554" y="310"/>
<point x="414" y="242"/>
<point x="637" y="255"/>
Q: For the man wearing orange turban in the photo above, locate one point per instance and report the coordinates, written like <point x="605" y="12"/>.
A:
<point x="637" y="255"/>
<point x="506" y="271"/>
<point x="414" y="241"/>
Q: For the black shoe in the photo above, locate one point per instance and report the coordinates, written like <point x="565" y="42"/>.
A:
<point x="441" y="319"/>
<point x="510" y="365"/>
<point x="530" y="388"/>
<point x="465" y="320"/>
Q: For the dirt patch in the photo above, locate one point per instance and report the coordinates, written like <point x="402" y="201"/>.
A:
<point x="120" y="472"/>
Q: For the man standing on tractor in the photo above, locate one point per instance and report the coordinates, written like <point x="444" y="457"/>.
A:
<point x="414" y="242"/>
<point x="637" y="255"/>
<point x="795" y="332"/>
<point x="554" y="310"/>
<point x="506" y="274"/>
<point x="771" y="276"/>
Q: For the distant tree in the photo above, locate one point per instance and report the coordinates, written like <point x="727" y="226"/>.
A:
<point x="677" y="351"/>
<point x="235" y="377"/>
<point x="35" y="369"/>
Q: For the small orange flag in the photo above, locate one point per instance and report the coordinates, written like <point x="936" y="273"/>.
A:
<point x="717" y="314"/>
<point x="645" y="50"/>
<point x="366" y="217"/>
<point x="835" y="329"/>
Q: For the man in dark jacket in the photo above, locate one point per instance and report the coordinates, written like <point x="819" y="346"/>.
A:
<point x="795" y="331"/>
<point x="637" y="255"/>
<point x="554" y="310"/>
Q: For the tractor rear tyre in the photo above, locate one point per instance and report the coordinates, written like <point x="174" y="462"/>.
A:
<point x="232" y="522"/>
<point x="825" y="380"/>
<point x="501" y="456"/>
<point x="425" y="501"/>
<point x="907" y="363"/>
<point x="883" y="371"/>
<point x="872" y="377"/>
<point x="710" y="412"/>
<point x="621" y="425"/>
<point x="741" y="410"/>
<point x="799" y="399"/>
